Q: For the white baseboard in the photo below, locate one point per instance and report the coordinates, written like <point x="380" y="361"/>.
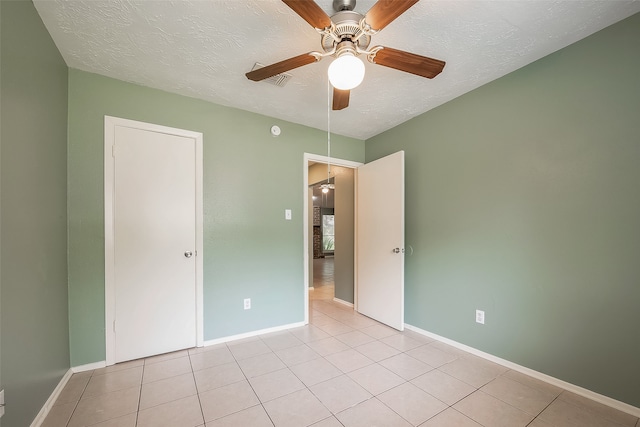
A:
<point x="37" y="422"/>
<point x="348" y="304"/>
<point x="605" y="400"/>
<point x="89" y="367"/>
<point x="253" y="333"/>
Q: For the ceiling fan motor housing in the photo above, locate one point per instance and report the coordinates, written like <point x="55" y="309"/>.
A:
<point x="347" y="28"/>
<point x="340" y="5"/>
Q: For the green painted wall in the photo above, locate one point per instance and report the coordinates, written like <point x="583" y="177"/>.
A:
<point x="1" y="383"/>
<point x="250" y="178"/>
<point x="345" y="239"/>
<point x="34" y="305"/>
<point x="522" y="199"/>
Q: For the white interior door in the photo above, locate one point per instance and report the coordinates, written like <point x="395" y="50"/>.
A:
<point x="380" y="238"/>
<point x="154" y="243"/>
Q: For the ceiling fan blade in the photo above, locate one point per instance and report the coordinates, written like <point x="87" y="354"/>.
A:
<point x="408" y="62"/>
<point x="310" y="12"/>
<point x="340" y="99"/>
<point x="281" y="67"/>
<point x="385" y="11"/>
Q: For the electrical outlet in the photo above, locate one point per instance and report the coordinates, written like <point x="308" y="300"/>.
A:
<point x="247" y="303"/>
<point x="480" y="317"/>
<point x="287" y="214"/>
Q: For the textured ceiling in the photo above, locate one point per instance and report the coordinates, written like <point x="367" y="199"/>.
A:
<point x="203" y="49"/>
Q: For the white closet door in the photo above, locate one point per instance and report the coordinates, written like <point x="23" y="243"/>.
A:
<point x="154" y="242"/>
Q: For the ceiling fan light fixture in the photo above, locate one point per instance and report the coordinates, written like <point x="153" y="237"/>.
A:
<point x="346" y="72"/>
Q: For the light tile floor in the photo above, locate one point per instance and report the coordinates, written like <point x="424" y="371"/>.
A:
<point x="343" y="369"/>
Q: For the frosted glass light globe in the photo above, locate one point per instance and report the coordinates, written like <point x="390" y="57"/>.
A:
<point x="346" y="72"/>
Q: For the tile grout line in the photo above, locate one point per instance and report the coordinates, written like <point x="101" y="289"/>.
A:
<point x="195" y="383"/>
<point x="251" y="385"/>
<point x="249" y="382"/>
<point x="298" y="378"/>
<point x="523" y="385"/>
<point x="544" y="409"/>
<point x="409" y="382"/>
<point x="78" y="402"/>
<point x="584" y="408"/>
<point x="140" y="393"/>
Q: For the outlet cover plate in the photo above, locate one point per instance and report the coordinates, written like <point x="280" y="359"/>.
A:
<point x="247" y="303"/>
<point x="480" y="317"/>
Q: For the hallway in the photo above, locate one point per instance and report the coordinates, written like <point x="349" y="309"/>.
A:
<point x="323" y="285"/>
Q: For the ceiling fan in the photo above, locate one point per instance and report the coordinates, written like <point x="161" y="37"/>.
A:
<point x="346" y="35"/>
<point x="327" y="186"/>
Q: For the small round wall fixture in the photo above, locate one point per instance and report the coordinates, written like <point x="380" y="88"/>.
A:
<point x="275" y="130"/>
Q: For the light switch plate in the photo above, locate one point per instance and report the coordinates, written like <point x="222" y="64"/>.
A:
<point x="287" y="214"/>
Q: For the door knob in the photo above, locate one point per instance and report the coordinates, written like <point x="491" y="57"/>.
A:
<point x="188" y="254"/>
<point x="396" y="251"/>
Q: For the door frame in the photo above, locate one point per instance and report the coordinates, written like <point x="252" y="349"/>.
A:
<point x="110" y="124"/>
<point x="307" y="157"/>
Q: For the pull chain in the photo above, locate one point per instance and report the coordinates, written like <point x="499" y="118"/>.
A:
<point x="328" y="130"/>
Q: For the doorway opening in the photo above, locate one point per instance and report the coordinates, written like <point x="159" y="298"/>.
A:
<point x="323" y="234"/>
<point x="329" y="230"/>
